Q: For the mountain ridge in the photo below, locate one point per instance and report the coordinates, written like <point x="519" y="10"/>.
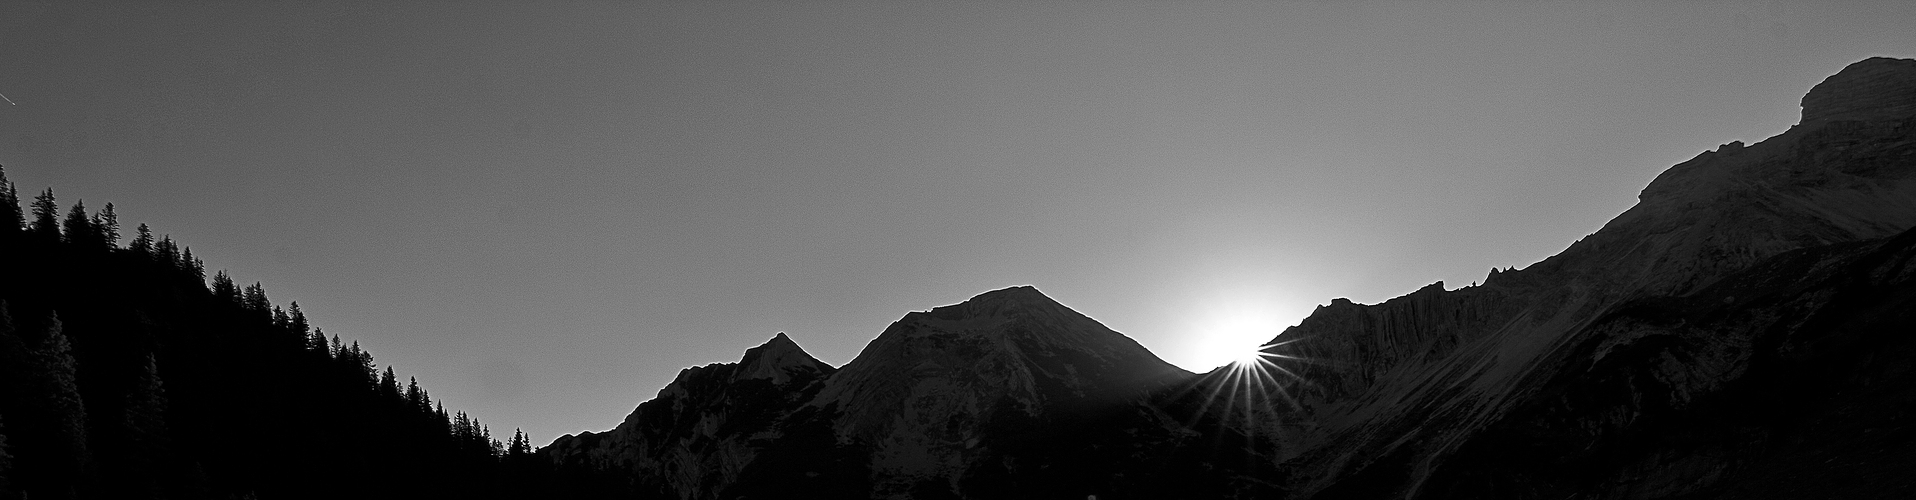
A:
<point x="1841" y="176"/>
<point x="1735" y="268"/>
<point x="916" y="400"/>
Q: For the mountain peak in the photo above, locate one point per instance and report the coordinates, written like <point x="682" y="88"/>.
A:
<point x="924" y="392"/>
<point x="775" y="359"/>
<point x="1870" y="88"/>
<point x="997" y="303"/>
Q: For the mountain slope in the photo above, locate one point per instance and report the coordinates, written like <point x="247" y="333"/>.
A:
<point x="124" y="375"/>
<point x="699" y="434"/>
<point x="1798" y="367"/>
<point x="924" y="393"/>
<point x="1419" y="377"/>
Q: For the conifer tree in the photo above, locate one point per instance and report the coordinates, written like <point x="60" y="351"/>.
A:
<point x="106" y="226"/>
<point x="79" y="230"/>
<point x="413" y="395"/>
<point x="494" y="448"/>
<point x="254" y="299"/>
<point x="224" y="289"/>
<point x="45" y="216"/>
<point x="462" y="428"/>
<point x="54" y="389"/>
<point x="367" y="370"/>
<point x="316" y="343"/>
<point x="281" y="321"/>
<point x="11" y="220"/>
<point x="193" y="266"/>
<point x="388" y="385"/>
<point x="520" y="447"/>
<point x="424" y="405"/>
<point x="142" y="241"/>
<point x="167" y="251"/>
<point x="297" y="324"/>
<point x="144" y="419"/>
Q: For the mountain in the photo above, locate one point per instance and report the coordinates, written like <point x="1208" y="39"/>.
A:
<point x="929" y="393"/>
<point x="1645" y="359"/>
<point x="1742" y="332"/>
<point x="1009" y="389"/>
<point x="700" y="432"/>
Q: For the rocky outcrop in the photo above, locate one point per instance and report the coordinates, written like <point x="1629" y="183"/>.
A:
<point x="1867" y="89"/>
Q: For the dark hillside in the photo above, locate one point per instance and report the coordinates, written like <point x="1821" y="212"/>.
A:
<point x="127" y="376"/>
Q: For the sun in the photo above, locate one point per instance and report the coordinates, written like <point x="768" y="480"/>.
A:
<point x="1248" y="356"/>
<point x="1236" y="338"/>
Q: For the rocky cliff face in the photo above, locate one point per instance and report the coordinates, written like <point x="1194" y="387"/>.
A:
<point x="1410" y="382"/>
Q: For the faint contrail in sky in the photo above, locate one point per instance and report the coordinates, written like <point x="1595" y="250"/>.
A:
<point x="9" y="101"/>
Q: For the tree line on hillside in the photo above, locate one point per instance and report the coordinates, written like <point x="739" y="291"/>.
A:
<point x="125" y="374"/>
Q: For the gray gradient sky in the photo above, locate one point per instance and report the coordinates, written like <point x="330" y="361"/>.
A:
<point x="545" y="210"/>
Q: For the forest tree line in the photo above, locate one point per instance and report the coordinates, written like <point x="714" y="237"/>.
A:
<point x="126" y="373"/>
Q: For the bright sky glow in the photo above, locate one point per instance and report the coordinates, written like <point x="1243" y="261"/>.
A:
<point x="1248" y="355"/>
<point x="1234" y="335"/>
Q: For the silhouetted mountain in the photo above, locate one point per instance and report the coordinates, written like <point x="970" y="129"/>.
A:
<point x="1689" y="347"/>
<point x="697" y="436"/>
<point x="1009" y="391"/>
<point x="1742" y="332"/>
<point x="934" y="394"/>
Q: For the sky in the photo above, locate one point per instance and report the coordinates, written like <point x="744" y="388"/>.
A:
<point x="545" y="210"/>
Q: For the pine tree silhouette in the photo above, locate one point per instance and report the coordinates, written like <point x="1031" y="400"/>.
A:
<point x="106" y="226"/>
<point x="144" y="418"/>
<point x="167" y="251"/>
<point x="224" y="289"/>
<point x="45" y="213"/>
<point x="142" y="242"/>
<point x="11" y="219"/>
<point x="42" y="369"/>
<point x="79" y="229"/>
<point x="316" y="343"/>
